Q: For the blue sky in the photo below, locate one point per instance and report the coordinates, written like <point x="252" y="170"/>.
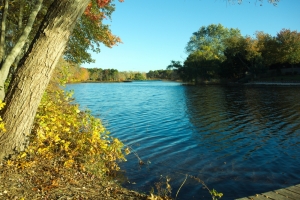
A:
<point x="154" y="32"/>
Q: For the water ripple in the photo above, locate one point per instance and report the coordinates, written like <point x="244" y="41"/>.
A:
<point x="239" y="140"/>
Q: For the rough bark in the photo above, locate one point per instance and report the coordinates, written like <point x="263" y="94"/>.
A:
<point x="8" y="61"/>
<point x="33" y="74"/>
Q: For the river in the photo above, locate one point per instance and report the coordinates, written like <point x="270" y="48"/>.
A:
<point x="238" y="140"/>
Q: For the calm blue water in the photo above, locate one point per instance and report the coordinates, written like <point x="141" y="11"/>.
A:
<point x="238" y="140"/>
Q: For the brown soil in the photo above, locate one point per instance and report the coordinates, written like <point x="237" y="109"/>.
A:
<point x="44" y="182"/>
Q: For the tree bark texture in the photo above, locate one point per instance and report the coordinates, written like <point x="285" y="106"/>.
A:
<point x="34" y="72"/>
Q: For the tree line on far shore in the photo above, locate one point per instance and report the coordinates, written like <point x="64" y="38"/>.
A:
<point x="216" y="54"/>
<point x="74" y="73"/>
<point x="219" y="53"/>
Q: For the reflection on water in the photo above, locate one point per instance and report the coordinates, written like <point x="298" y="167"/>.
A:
<point x="238" y="140"/>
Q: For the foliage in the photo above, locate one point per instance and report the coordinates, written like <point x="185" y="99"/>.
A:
<point x="18" y="15"/>
<point x="162" y="74"/>
<point x="196" y="67"/>
<point x="139" y="76"/>
<point x="164" y="189"/>
<point x="69" y="155"/>
<point x="216" y="52"/>
<point x="199" y="65"/>
<point x="24" y="18"/>
<point x="79" y="74"/>
<point x="288" y="46"/>
<point x="70" y="138"/>
<point x="68" y="72"/>
<point x="210" y="41"/>
<point x="2" y="127"/>
<point x="61" y="73"/>
<point x="242" y="56"/>
<point x="215" y="195"/>
<point x="90" y="32"/>
<point x="284" y="48"/>
<point x="267" y="47"/>
<point x="206" y="50"/>
<point x="98" y="74"/>
<point x="174" y="65"/>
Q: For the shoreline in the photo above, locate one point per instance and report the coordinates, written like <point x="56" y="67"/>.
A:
<point x="273" y="83"/>
<point x="252" y="83"/>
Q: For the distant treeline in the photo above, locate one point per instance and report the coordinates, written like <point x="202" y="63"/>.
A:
<point x="216" y="52"/>
<point x="110" y="75"/>
<point x="75" y="73"/>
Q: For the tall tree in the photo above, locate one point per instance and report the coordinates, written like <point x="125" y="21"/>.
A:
<point x="288" y="44"/>
<point x="200" y="66"/>
<point x="206" y="51"/>
<point x="210" y="41"/>
<point x="268" y="47"/>
<point x="242" y="55"/>
<point x="16" y="36"/>
<point x="34" y="72"/>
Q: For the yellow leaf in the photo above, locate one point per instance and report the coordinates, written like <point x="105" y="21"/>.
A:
<point x="1" y="105"/>
<point x="127" y="151"/>
<point x="68" y="163"/>
<point x="10" y="163"/>
<point x="23" y="155"/>
<point x="57" y="139"/>
<point x="66" y="146"/>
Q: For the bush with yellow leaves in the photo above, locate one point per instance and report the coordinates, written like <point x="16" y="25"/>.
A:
<point x="2" y="128"/>
<point x="70" y="138"/>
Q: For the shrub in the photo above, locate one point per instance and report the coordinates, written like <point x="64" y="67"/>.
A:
<point x="70" y="138"/>
<point x="2" y="128"/>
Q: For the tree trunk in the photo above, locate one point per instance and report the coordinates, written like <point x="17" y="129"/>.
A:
<point x="34" y="72"/>
<point x="21" y="13"/>
<point x="8" y="61"/>
<point x="2" y="45"/>
<point x="3" y="30"/>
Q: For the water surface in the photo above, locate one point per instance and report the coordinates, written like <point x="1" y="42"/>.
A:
<point x="238" y="140"/>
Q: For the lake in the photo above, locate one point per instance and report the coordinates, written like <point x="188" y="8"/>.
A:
<point x="238" y="140"/>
